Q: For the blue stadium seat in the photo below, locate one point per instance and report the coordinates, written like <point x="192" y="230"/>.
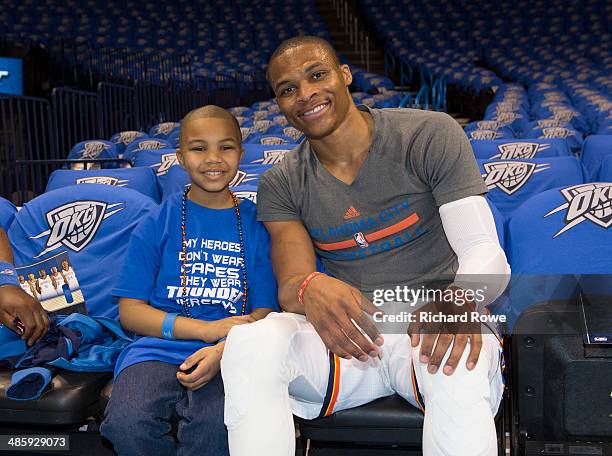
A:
<point x="163" y="130"/>
<point x="124" y="138"/>
<point x="552" y="238"/>
<point x="605" y="170"/>
<point x="140" y="179"/>
<point x="92" y="149"/>
<point x="92" y="223"/>
<point x="512" y="182"/>
<point x="269" y="140"/>
<point x="175" y="179"/>
<point x="141" y="144"/>
<point x="259" y="154"/>
<point x="488" y="135"/>
<point x="594" y="150"/>
<point x="508" y="149"/>
<point x="7" y="213"/>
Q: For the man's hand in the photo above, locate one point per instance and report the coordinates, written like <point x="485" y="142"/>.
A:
<point x="212" y="331"/>
<point x="208" y="361"/>
<point x="337" y="311"/>
<point x="446" y="334"/>
<point x="14" y="302"/>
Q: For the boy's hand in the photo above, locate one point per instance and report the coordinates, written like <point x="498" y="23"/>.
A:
<point x="14" y="302"/>
<point x="212" y="331"/>
<point x="207" y="362"/>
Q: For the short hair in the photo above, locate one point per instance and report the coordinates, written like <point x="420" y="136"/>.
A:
<point x="211" y="111"/>
<point x="298" y="41"/>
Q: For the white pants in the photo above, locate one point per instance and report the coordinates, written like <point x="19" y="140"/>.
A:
<point x="279" y="366"/>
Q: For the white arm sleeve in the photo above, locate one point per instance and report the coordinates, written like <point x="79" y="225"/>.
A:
<point x="470" y="229"/>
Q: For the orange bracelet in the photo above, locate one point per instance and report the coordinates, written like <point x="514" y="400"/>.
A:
<point x="305" y="283"/>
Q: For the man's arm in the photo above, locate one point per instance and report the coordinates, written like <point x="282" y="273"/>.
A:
<point x="470" y="229"/>
<point x="329" y="304"/>
<point x="16" y="303"/>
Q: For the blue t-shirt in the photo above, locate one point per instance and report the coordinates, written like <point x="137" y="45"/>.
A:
<point x="152" y="272"/>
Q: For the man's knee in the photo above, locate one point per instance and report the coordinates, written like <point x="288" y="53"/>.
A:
<point x="263" y="343"/>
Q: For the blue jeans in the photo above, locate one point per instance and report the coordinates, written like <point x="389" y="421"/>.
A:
<point x="147" y="397"/>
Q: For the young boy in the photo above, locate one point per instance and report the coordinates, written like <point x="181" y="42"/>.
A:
<point x="196" y="266"/>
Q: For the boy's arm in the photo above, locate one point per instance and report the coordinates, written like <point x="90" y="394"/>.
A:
<point x="143" y="319"/>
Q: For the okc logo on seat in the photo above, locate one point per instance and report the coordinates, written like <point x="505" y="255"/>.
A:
<point x="272" y="157"/>
<point x="555" y="132"/>
<point x="507" y="116"/>
<point x="549" y="123"/>
<point x="262" y="125"/>
<point x="75" y="224"/>
<point x="127" y="137"/>
<point x="510" y="176"/>
<point x="273" y="141"/>
<point x="485" y="134"/>
<point x="487" y="125"/>
<point x="150" y="144"/>
<point x="591" y="202"/>
<point x="564" y="115"/>
<point x="104" y="180"/>
<point x="241" y="178"/>
<point x="519" y="150"/>
<point x="292" y="133"/>
<point x="246" y="131"/>
<point x="167" y="160"/>
<point x="93" y="148"/>
<point x="165" y="128"/>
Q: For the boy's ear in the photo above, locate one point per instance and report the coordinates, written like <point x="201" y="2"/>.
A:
<point x="179" y="157"/>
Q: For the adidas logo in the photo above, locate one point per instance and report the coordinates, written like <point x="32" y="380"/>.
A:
<point x="351" y="212"/>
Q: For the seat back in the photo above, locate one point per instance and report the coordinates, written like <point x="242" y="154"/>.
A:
<point x="594" y="151"/>
<point x="124" y="139"/>
<point x="141" y="144"/>
<point x="93" y="224"/>
<point x="92" y="149"/>
<point x="139" y="179"/>
<point x="512" y="182"/>
<point x="259" y="154"/>
<point x="553" y="239"/>
<point x="509" y="149"/>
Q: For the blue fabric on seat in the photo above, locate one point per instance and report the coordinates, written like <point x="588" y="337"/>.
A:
<point x="93" y="223"/>
<point x="124" y="138"/>
<point x="554" y="239"/>
<point x="259" y="154"/>
<point x="594" y="151"/>
<point x="141" y="144"/>
<point x="140" y="179"/>
<point x="512" y="182"/>
<point x="508" y="149"/>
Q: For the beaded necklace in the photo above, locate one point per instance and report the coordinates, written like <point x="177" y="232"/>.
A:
<point x="184" y="250"/>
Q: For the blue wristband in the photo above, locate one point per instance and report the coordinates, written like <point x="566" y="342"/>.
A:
<point x="8" y="274"/>
<point x="167" y="326"/>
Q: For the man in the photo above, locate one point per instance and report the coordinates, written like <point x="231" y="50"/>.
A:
<point x="46" y="286"/>
<point x="385" y="198"/>
<point x="18" y="310"/>
<point x="69" y="276"/>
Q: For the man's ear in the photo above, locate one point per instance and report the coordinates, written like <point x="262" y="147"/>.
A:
<point x="346" y="73"/>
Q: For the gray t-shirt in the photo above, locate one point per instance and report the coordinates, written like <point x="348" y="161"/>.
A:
<point x="384" y="229"/>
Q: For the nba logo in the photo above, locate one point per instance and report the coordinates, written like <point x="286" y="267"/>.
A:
<point x="361" y="240"/>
